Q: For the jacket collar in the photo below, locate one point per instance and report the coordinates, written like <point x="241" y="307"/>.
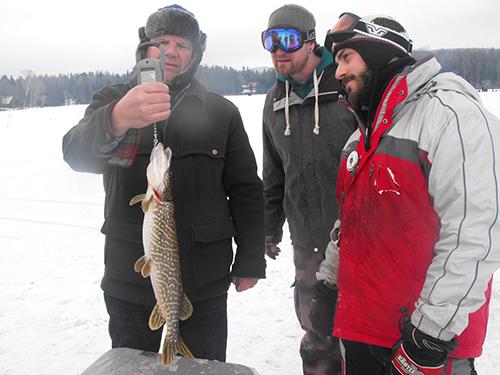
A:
<point x="328" y="90"/>
<point x="411" y="83"/>
<point x="195" y="89"/>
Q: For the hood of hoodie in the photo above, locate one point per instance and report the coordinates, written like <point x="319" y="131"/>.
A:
<point x="290" y="93"/>
<point x="429" y="77"/>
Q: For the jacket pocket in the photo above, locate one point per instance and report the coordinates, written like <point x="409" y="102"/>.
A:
<point x="199" y="165"/>
<point x="212" y="250"/>
<point x="124" y="230"/>
<point x="214" y="148"/>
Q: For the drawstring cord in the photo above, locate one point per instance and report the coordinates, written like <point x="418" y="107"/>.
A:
<point x="287" y="109"/>
<point x="316" y="81"/>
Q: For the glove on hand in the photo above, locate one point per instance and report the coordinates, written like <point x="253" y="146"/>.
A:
<point x="322" y="311"/>
<point x="418" y="353"/>
<point x="272" y="250"/>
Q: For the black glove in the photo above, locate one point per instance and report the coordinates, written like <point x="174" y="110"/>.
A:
<point x="322" y="311"/>
<point x="271" y="246"/>
<point x="272" y="250"/>
<point x="418" y="353"/>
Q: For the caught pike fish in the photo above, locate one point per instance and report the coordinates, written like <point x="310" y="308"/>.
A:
<point x="161" y="255"/>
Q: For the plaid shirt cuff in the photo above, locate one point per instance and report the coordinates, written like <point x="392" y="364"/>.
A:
<point x="124" y="154"/>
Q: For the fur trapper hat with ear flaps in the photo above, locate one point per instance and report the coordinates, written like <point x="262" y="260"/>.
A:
<point x="176" y="20"/>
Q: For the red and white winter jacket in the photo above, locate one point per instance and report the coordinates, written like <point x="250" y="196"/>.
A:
<point x="419" y="214"/>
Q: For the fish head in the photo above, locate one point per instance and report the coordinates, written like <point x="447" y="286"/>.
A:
<point x="158" y="170"/>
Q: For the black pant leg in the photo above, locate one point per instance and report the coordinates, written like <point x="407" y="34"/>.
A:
<point x="319" y="357"/>
<point x="128" y="325"/>
<point x="364" y="359"/>
<point x="205" y="332"/>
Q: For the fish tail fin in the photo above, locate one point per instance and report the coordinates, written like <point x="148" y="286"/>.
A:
<point x="156" y="319"/>
<point x="170" y="350"/>
<point x="184" y="350"/>
<point x="186" y="308"/>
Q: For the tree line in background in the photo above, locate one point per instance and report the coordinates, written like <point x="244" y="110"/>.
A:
<point x="481" y="67"/>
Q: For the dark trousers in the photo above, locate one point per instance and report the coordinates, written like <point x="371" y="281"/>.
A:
<point x="319" y="357"/>
<point x="205" y="332"/>
<point x="364" y="359"/>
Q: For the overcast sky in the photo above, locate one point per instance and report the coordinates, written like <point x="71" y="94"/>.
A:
<point x="56" y="36"/>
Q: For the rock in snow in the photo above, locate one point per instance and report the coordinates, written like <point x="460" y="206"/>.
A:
<point x="125" y="361"/>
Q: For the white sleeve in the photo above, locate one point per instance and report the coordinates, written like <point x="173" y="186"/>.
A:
<point x="464" y="184"/>
<point x="327" y="271"/>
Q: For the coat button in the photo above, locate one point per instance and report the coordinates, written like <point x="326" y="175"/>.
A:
<point x="215" y="152"/>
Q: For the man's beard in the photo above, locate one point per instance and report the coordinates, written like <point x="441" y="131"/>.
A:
<point x="293" y="67"/>
<point x="360" y="94"/>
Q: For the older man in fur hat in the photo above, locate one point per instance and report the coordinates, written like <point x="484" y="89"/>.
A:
<point x="216" y="190"/>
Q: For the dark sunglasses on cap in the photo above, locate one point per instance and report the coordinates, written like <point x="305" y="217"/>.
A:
<point x="350" y="25"/>
<point x="287" y="39"/>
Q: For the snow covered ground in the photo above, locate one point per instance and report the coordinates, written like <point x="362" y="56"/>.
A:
<point x="52" y="315"/>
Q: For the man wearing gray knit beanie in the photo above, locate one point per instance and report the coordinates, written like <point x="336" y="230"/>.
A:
<point x="215" y="189"/>
<point x="304" y="132"/>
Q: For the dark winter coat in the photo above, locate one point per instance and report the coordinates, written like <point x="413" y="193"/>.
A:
<point x="300" y="169"/>
<point x="217" y="192"/>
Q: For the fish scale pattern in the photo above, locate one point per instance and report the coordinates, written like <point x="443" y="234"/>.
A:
<point x="166" y="264"/>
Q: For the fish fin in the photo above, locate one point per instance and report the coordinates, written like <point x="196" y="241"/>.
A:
<point x="139" y="263"/>
<point x="137" y="199"/>
<point x="145" y="204"/>
<point x="186" y="308"/>
<point x="184" y="350"/>
<point x="146" y="268"/>
<point x="156" y="319"/>
<point x="168" y="155"/>
<point x="143" y="265"/>
<point x="170" y="350"/>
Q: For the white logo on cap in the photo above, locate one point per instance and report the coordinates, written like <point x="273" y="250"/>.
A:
<point x="378" y="31"/>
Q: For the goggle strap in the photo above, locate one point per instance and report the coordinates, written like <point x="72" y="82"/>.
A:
<point x="310" y="35"/>
<point x="349" y="23"/>
<point x="406" y="49"/>
<point x="375" y="30"/>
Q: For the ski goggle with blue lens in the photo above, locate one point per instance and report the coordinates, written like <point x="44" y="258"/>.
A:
<point x="286" y="39"/>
